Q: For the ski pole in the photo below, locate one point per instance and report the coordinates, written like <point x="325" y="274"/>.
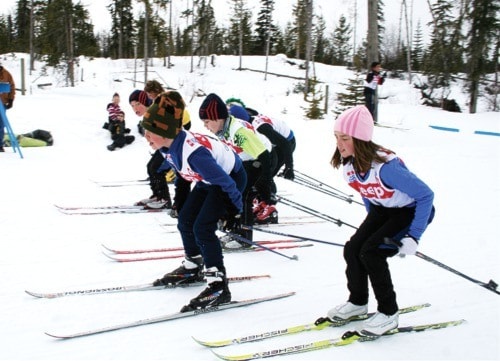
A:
<point x="321" y="184"/>
<point x="324" y="191"/>
<point x="491" y="285"/>
<point x="290" y="235"/>
<point x="243" y="239"/>
<point x="314" y="212"/>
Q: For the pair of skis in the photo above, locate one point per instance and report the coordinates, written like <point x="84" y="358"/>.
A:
<point x="99" y="210"/>
<point x="160" y="318"/>
<point x="152" y="254"/>
<point x="322" y="323"/>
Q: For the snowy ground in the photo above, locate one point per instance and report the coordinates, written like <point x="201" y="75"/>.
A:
<point x="45" y="250"/>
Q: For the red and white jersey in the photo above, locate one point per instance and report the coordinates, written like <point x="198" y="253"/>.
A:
<point x="222" y="154"/>
<point x="373" y="189"/>
<point x="278" y="125"/>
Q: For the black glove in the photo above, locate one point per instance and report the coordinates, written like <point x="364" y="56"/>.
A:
<point x="289" y="174"/>
<point x="105" y="126"/>
<point x="9" y="103"/>
<point x="173" y="211"/>
<point x="127" y="130"/>
<point x="384" y="75"/>
<point x="232" y="223"/>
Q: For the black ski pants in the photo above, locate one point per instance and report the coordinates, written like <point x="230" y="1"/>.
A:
<point x="366" y="256"/>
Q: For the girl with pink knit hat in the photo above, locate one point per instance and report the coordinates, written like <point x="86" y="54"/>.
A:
<point x="399" y="207"/>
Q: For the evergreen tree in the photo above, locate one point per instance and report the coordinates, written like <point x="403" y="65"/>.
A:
<point x="159" y="36"/>
<point x="22" y="25"/>
<point x="122" y="29"/>
<point x="239" y="35"/>
<point x="314" y="98"/>
<point x="321" y="43"/>
<point x="265" y="28"/>
<point x="279" y="46"/>
<point x="417" y="48"/>
<point x="299" y="29"/>
<point x="380" y="22"/>
<point x="289" y="40"/>
<point x="444" y="57"/>
<point x="484" y="30"/>
<point x="85" y="42"/>
<point x="341" y="47"/>
<point x="5" y="34"/>
<point x="439" y="58"/>
<point x="204" y="27"/>
<point x="353" y="94"/>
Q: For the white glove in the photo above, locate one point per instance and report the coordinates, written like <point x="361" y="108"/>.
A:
<point x="408" y="246"/>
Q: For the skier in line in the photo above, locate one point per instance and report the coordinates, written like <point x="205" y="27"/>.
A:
<point x="255" y="151"/>
<point x="219" y="178"/>
<point x="399" y="207"/>
<point x="153" y="89"/>
<point x="283" y="141"/>
<point x="160" y="197"/>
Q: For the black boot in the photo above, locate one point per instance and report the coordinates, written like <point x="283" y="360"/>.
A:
<point x="190" y="271"/>
<point x="216" y="293"/>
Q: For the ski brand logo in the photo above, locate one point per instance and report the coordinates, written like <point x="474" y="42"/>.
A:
<point x="206" y="310"/>
<point x="372" y="190"/>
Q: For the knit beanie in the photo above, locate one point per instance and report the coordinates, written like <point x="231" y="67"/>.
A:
<point x="356" y="122"/>
<point x="162" y="118"/>
<point x="239" y="112"/>
<point x="141" y="97"/>
<point x="236" y="101"/>
<point x="213" y="108"/>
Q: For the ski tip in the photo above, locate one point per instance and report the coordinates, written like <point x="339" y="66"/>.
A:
<point x="233" y="357"/>
<point x="212" y="344"/>
<point x="107" y="248"/>
<point x="33" y="294"/>
<point x="56" y="336"/>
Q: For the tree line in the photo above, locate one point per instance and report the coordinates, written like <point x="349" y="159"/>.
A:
<point x="464" y="37"/>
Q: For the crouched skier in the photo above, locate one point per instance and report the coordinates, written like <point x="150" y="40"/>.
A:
<point x="219" y="178"/>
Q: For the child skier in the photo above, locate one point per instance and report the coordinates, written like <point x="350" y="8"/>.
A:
<point x="255" y="151"/>
<point x="219" y="178"/>
<point x="399" y="207"/>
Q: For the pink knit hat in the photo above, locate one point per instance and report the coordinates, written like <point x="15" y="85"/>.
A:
<point x="356" y="122"/>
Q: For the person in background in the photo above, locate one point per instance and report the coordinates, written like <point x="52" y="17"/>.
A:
<point x="160" y="197"/>
<point x="373" y="79"/>
<point x="6" y="98"/>
<point x="113" y="108"/>
<point x="254" y="150"/>
<point x="399" y="206"/>
<point x="219" y="177"/>
<point x="118" y="132"/>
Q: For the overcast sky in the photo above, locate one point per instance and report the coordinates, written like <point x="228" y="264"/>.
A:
<point x="331" y="10"/>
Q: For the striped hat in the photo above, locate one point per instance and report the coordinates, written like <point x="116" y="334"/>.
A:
<point x="213" y="108"/>
<point x="140" y="96"/>
<point x="356" y="122"/>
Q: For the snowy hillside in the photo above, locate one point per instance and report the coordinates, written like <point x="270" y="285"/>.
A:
<point x="46" y="250"/>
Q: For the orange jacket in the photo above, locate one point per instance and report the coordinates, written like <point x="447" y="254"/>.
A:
<point x="6" y="77"/>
